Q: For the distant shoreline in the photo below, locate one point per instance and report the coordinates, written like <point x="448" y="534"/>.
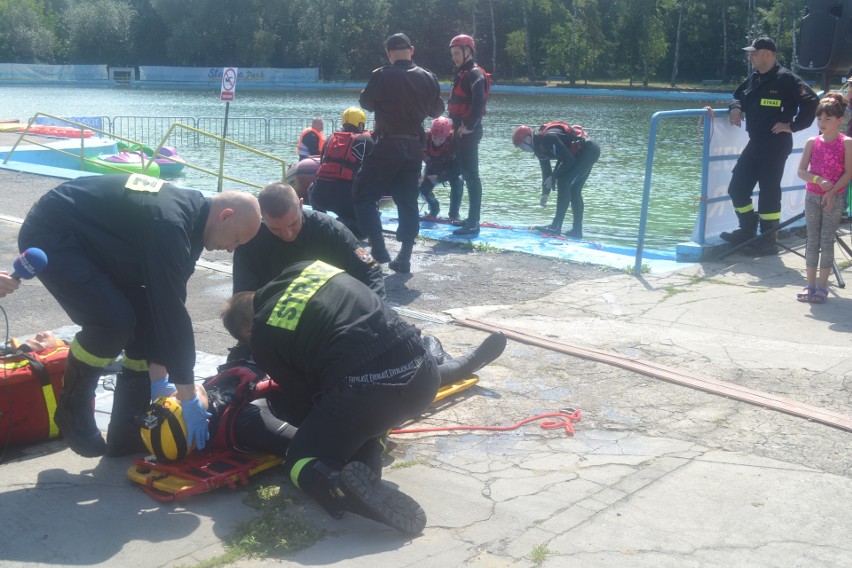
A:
<point x="512" y="89"/>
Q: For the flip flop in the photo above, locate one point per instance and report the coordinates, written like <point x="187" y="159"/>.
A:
<point x="806" y="294"/>
<point x="820" y="296"/>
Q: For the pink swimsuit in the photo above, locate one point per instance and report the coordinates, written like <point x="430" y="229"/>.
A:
<point x="826" y="161"/>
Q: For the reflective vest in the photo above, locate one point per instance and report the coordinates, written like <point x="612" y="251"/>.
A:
<point x="340" y="161"/>
<point x="460" y="103"/>
<point x="575" y="133"/>
<point x="302" y="148"/>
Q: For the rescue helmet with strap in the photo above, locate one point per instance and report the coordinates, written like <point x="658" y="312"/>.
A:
<point x="463" y="40"/>
<point x="441" y="127"/>
<point x="354" y="116"/>
<point x="164" y="431"/>
<point x="521" y="134"/>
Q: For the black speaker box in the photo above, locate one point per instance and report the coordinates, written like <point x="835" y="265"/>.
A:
<point x="825" y="36"/>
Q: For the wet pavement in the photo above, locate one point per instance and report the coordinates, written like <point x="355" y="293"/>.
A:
<point x="656" y="474"/>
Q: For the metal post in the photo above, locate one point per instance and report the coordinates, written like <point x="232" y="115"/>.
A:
<point x="222" y="146"/>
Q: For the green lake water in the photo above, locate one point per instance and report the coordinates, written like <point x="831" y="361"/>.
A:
<point x="511" y="179"/>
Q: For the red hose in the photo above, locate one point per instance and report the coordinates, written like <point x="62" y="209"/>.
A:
<point x="567" y="422"/>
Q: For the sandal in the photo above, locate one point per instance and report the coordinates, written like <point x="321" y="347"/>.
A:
<point x="819" y="296"/>
<point x="806" y="294"/>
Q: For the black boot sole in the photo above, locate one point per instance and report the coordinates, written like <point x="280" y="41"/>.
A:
<point x="380" y="502"/>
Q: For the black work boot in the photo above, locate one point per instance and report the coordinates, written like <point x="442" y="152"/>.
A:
<point x="131" y="398"/>
<point x="402" y="262"/>
<point x="75" y="415"/>
<point x="767" y="245"/>
<point x="463" y="367"/>
<point x="468" y="228"/>
<point x="357" y="489"/>
<point x="433" y="347"/>
<point x="378" y="250"/>
<point x="747" y="230"/>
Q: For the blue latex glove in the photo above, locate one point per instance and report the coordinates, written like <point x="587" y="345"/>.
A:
<point x="195" y="418"/>
<point x="162" y="387"/>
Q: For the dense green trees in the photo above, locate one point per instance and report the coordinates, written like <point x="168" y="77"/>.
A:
<point x="632" y="40"/>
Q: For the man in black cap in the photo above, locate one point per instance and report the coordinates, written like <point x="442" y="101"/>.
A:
<point x="776" y="103"/>
<point x="402" y="95"/>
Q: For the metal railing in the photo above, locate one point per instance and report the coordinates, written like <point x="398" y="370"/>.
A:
<point x="707" y="113"/>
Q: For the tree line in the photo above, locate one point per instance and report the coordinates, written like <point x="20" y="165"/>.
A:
<point x="529" y="40"/>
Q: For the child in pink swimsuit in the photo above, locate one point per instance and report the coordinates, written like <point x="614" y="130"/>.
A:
<point x="826" y="165"/>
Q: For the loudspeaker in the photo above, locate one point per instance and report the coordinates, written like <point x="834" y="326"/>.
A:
<point x="825" y="36"/>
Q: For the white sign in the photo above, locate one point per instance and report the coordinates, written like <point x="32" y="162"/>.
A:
<point x="229" y="83"/>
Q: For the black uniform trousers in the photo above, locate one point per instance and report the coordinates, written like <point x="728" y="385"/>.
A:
<point x="112" y="317"/>
<point x="356" y="412"/>
<point x="391" y="168"/>
<point x="451" y="175"/>
<point x="762" y="163"/>
<point x="335" y="196"/>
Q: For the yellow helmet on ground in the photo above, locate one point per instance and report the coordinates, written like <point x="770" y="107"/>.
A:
<point x="354" y="116"/>
<point x="164" y="431"/>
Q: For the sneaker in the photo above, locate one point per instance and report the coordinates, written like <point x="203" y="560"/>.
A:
<point x="458" y="222"/>
<point x="370" y="497"/>
<point x="471" y="230"/>
<point x="545" y="230"/>
<point x="574" y="234"/>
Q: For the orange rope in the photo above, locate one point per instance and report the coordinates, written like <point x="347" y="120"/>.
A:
<point x="568" y="418"/>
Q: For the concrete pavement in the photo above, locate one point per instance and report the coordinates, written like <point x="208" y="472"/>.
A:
<point x="656" y="474"/>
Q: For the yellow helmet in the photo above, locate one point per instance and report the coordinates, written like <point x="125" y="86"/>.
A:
<point x="164" y="431"/>
<point x="354" y="116"/>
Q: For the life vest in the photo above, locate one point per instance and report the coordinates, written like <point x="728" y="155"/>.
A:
<point x="440" y="156"/>
<point x="228" y="392"/>
<point x="302" y="148"/>
<point x="339" y="161"/>
<point x="576" y="134"/>
<point x="459" y="104"/>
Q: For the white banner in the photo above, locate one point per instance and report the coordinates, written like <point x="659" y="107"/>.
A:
<point x="726" y="144"/>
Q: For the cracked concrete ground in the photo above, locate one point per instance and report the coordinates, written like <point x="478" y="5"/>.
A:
<point x="656" y="474"/>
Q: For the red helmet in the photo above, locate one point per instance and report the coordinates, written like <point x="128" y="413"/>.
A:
<point x="463" y="41"/>
<point x="521" y="134"/>
<point x="441" y="127"/>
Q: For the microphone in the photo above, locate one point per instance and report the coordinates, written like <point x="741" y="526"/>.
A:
<point x="29" y="263"/>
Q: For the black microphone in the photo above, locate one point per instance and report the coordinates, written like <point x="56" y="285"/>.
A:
<point x="29" y="263"/>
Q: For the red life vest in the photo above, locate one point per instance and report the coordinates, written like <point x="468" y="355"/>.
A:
<point x="301" y="144"/>
<point x="459" y="104"/>
<point x="440" y="155"/>
<point x="339" y="162"/>
<point x="576" y="134"/>
<point x="228" y="392"/>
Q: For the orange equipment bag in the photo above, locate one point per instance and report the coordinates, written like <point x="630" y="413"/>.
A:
<point x="30" y="384"/>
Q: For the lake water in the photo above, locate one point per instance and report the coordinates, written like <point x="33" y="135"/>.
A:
<point x="511" y="179"/>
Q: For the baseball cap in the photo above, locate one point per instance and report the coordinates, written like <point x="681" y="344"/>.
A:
<point x="397" y="41"/>
<point x="761" y="43"/>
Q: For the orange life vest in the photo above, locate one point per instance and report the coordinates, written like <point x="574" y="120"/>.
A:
<point x="576" y="134"/>
<point x="301" y="145"/>
<point x="340" y="162"/>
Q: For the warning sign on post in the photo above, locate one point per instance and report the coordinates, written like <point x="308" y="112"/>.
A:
<point x="229" y="84"/>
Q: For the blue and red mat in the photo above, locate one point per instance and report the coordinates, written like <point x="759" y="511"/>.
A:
<point x="524" y="239"/>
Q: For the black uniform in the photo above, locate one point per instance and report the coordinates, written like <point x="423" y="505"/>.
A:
<point x="349" y="367"/>
<point x="321" y="238"/>
<point x="571" y="172"/>
<point x="775" y="96"/>
<point x="402" y="95"/>
<point x="120" y="250"/>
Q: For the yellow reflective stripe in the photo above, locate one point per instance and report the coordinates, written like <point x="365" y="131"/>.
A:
<point x="50" y="404"/>
<point x="84" y="356"/>
<point x="770" y="103"/>
<point x="288" y="310"/>
<point x="297" y="469"/>
<point x="771" y="216"/>
<point x="139" y="182"/>
<point x="134" y="364"/>
<point x="745" y="208"/>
